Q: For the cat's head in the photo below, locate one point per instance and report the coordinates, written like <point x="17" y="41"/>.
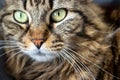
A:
<point x="44" y="29"/>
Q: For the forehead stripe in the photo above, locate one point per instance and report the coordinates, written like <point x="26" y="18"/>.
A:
<point x="24" y="3"/>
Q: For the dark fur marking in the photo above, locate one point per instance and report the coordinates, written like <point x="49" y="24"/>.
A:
<point x="6" y="14"/>
<point x="24" y="3"/>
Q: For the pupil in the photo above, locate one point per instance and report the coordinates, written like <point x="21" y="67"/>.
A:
<point x="20" y="15"/>
<point x="58" y="13"/>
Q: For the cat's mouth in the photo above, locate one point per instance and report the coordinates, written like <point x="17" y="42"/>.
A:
<point x="42" y="49"/>
<point x="42" y="54"/>
<point x="39" y="56"/>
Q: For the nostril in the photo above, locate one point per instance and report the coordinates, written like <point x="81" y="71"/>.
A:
<point x="38" y="42"/>
<point x="38" y="45"/>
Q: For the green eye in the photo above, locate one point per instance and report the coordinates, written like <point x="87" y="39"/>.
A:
<point x="58" y="15"/>
<point x="20" y="17"/>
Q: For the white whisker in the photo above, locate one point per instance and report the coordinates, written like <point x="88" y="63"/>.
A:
<point x="7" y="47"/>
<point x="59" y="58"/>
<point x="65" y="57"/>
<point x="94" y="64"/>
<point x="14" y="55"/>
<point x="83" y="65"/>
<point x="8" y="52"/>
<point x="72" y="62"/>
<point x="8" y="42"/>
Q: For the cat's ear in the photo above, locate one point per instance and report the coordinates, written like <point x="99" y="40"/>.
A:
<point x="8" y="2"/>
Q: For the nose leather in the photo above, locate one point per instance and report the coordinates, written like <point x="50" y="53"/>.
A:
<point x="38" y="42"/>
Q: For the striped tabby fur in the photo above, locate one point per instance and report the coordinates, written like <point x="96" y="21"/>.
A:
<point x="75" y="48"/>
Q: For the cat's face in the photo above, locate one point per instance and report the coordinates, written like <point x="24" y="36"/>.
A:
<point x="43" y="29"/>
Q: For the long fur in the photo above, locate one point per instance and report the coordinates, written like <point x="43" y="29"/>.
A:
<point x="81" y="44"/>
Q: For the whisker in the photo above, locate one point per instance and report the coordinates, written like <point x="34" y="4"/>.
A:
<point x="70" y="56"/>
<point x="8" y="47"/>
<point x="65" y="57"/>
<point x="72" y="62"/>
<point x="2" y="42"/>
<point x="59" y="58"/>
<point x="94" y="64"/>
<point x="14" y="55"/>
<point x="8" y="41"/>
<point x="83" y="65"/>
<point x="8" y="52"/>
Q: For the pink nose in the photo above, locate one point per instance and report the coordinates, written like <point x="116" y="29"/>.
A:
<point x="38" y="42"/>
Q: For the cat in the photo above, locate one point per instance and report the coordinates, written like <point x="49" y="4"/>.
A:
<point x="56" y="40"/>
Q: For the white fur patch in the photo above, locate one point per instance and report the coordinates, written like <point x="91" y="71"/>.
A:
<point x="41" y="55"/>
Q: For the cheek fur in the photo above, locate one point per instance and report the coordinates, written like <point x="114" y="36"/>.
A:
<point x="52" y="45"/>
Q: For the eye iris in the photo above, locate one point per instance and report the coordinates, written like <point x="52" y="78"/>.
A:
<point x="59" y="15"/>
<point x="20" y="17"/>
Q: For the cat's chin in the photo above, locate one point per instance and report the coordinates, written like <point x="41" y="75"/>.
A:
<point x="42" y="57"/>
<point x="39" y="56"/>
<point x="43" y="54"/>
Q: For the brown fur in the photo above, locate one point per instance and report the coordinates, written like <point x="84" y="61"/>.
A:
<point x="86" y="39"/>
